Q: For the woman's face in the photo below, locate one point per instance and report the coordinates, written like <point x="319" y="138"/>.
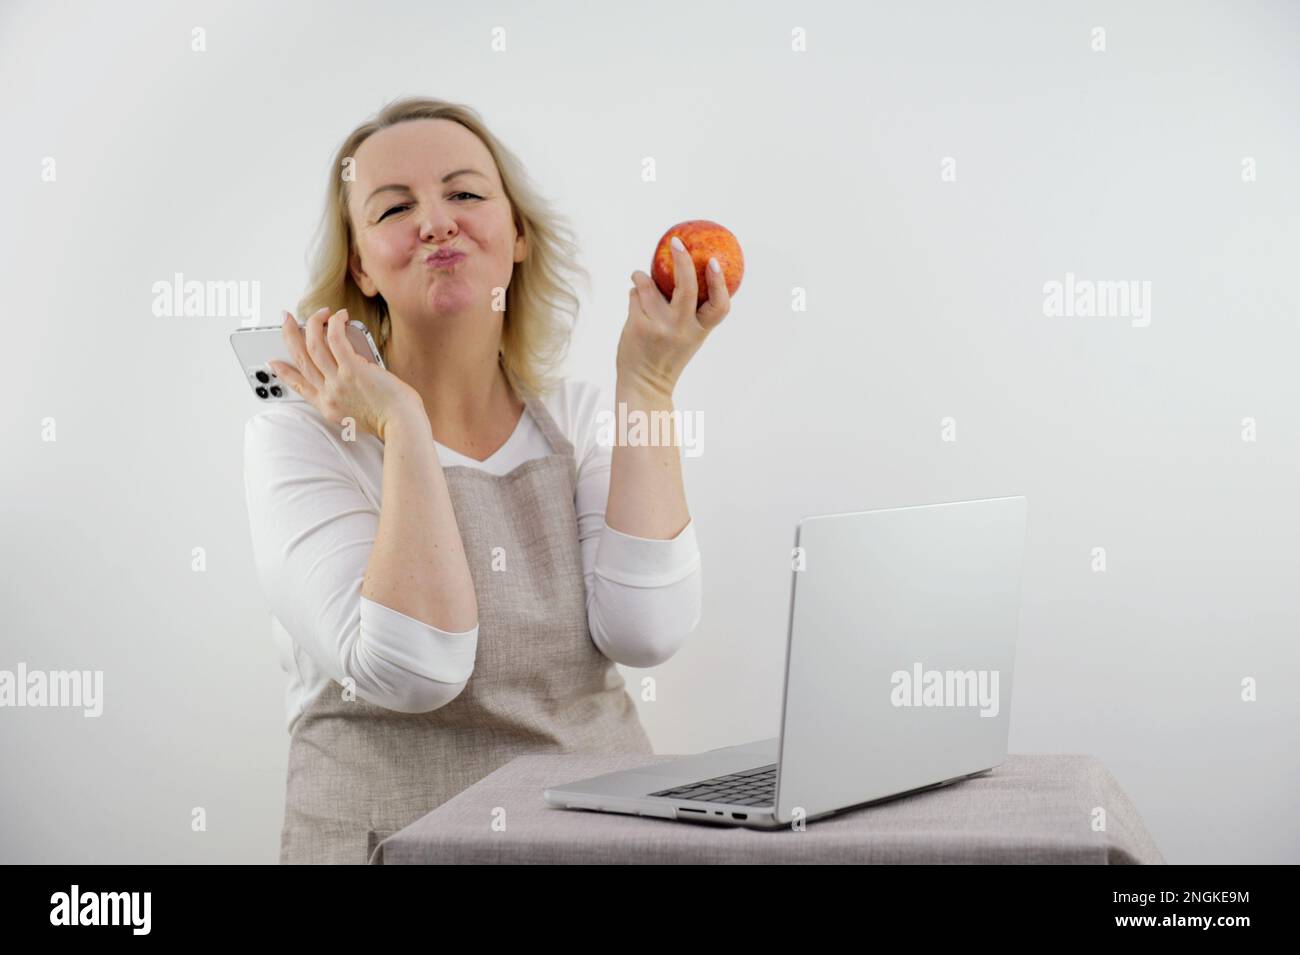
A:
<point x="397" y="229"/>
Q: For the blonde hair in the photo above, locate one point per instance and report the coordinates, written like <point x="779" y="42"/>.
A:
<point x="542" y="306"/>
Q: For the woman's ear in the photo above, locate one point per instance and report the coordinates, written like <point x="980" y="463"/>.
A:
<point x="521" y="240"/>
<point x="359" y="275"/>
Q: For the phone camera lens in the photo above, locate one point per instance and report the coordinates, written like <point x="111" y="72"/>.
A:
<point x="261" y="392"/>
<point x="263" y="377"/>
<point x="275" y="391"/>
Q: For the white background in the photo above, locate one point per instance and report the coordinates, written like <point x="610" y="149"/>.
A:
<point x="924" y="301"/>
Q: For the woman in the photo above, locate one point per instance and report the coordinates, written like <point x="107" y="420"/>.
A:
<point x="454" y="562"/>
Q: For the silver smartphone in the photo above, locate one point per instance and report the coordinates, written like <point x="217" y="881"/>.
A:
<point x="257" y="347"/>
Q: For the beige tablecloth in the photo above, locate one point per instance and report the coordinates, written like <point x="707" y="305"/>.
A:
<point x="1031" y="809"/>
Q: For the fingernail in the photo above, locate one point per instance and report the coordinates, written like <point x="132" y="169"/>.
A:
<point x="677" y="244"/>
<point x="344" y="313"/>
<point x="713" y="264"/>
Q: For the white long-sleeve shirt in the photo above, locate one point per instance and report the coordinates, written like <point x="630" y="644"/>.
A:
<point x="313" y="508"/>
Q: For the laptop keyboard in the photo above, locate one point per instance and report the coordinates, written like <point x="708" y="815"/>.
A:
<point x="753" y="787"/>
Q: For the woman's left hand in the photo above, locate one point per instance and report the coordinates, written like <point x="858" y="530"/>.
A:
<point x="662" y="335"/>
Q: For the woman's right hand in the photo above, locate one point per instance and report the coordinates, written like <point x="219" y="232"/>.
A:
<point x="338" y="382"/>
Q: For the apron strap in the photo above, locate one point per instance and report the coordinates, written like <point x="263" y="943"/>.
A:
<point x="559" y="443"/>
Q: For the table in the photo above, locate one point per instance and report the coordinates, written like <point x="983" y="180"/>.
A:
<point x="1031" y="809"/>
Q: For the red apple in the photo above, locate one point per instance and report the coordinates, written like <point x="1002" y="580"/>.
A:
<point x="703" y="240"/>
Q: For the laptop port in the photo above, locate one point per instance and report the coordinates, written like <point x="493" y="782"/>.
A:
<point x="740" y="815"/>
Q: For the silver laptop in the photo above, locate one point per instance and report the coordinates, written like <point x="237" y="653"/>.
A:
<point x="898" y="664"/>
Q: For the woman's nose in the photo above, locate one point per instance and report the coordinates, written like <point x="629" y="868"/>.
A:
<point x="436" y="225"/>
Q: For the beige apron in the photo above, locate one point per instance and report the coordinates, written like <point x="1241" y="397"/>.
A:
<point x="359" y="772"/>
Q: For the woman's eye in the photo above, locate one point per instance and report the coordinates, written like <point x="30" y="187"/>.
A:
<point x="408" y="205"/>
